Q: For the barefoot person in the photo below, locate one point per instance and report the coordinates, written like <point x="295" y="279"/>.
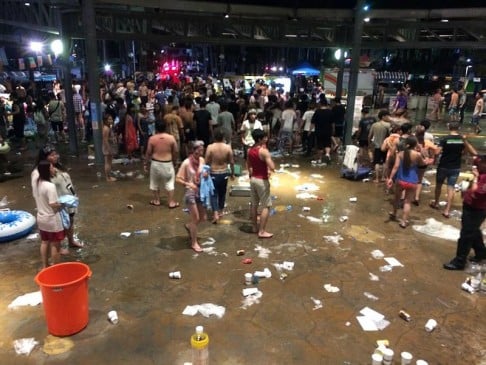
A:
<point x="64" y="186"/>
<point x="162" y="152"/>
<point x="259" y="162"/>
<point x="405" y="172"/>
<point x="189" y="175"/>
<point x="48" y="218"/>
<point x="110" y="145"/>
<point x="219" y="155"/>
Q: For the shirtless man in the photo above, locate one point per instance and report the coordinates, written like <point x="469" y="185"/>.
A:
<point x="218" y="156"/>
<point x="162" y="152"/>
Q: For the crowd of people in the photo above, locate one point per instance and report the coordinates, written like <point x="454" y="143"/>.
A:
<point x="185" y="135"/>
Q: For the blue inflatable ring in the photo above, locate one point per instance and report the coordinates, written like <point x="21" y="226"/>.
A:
<point x="15" y="224"/>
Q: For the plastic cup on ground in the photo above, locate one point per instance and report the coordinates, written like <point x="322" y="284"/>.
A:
<point x="248" y="278"/>
<point x="376" y="359"/>
<point x="406" y="358"/>
<point x="430" y="325"/>
<point x="175" y="275"/>
<point x="113" y="317"/>
<point x="421" y="362"/>
<point x="388" y="354"/>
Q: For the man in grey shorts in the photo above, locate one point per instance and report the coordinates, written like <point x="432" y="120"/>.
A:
<point x="162" y="154"/>
<point x="259" y="163"/>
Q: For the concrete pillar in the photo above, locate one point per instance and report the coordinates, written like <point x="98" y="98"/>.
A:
<point x="89" y="24"/>
<point x="354" y="69"/>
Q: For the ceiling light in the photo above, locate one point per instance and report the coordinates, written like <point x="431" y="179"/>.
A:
<point x="444" y="20"/>
<point x="366" y="20"/>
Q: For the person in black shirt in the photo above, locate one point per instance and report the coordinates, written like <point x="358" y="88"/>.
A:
<point x="202" y="117"/>
<point x="323" y="123"/>
<point x="363" y="132"/>
<point x="452" y="147"/>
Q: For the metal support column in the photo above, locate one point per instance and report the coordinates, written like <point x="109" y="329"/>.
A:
<point x="68" y="92"/>
<point x="354" y="70"/>
<point x="93" y="81"/>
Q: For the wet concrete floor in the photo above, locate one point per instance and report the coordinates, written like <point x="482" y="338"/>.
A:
<point x="131" y="276"/>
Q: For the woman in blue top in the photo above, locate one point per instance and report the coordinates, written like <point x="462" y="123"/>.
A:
<point x="405" y="175"/>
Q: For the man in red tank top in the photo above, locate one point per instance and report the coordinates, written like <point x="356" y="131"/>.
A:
<point x="259" y="163"/>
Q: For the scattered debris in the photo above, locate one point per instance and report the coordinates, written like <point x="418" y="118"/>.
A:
<point x="24" y="346"/>
<point x="374" y="277"/>
<point x="206" y="309"/>
<point x="438" y="229"/>
<point x="56" y="345"/>
<point x="4" y="202"/>
<point x="32" y="299"/>
<point x="377" y="254"/>
<point x="333" y="239"/>
<point x="317" y="303"/>
<point x="393" y="261"/>
<point x="330" y="288"/>
<point x="370" y="296"/>
<point x="372" y="320"/>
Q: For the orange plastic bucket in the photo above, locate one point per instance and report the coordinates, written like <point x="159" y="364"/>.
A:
<point x="64" y="289"/>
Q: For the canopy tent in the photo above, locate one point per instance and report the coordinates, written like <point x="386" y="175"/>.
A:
<point x="306" y="69"/>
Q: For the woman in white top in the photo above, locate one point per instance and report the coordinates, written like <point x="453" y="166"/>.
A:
<point x="48" y="219"/>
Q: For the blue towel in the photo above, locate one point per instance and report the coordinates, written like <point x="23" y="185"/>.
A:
<point x="67" y="201"/>
<point x="206" y="187"/>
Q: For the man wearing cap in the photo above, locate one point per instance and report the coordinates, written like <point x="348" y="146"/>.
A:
<point x="247" y="127"/>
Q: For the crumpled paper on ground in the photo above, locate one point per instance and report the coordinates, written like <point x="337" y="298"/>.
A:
<point x="32" y="299"/>
<point x="333" y="239"/>
<point x="24" y="346"/>
<point x="206" y="309"/>
<point x="438" y="229"/>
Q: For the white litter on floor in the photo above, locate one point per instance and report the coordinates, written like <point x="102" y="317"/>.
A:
<point x="307" y="187"/>
<point x="306" y="195"/>
<point x="333" y="239"/>
<point x="317" y="303"/>
<point x="438" y="229"/>
<point x="206" y="309"/>
<point x="32" y="299"/>
<point x="263" y="252"/>
<point x="330" y="288"/>
<point x="24" y="346"/>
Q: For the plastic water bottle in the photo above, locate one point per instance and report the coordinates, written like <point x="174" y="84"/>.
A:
<point x="142" y="231"/>
<point x="199" y="344"/>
